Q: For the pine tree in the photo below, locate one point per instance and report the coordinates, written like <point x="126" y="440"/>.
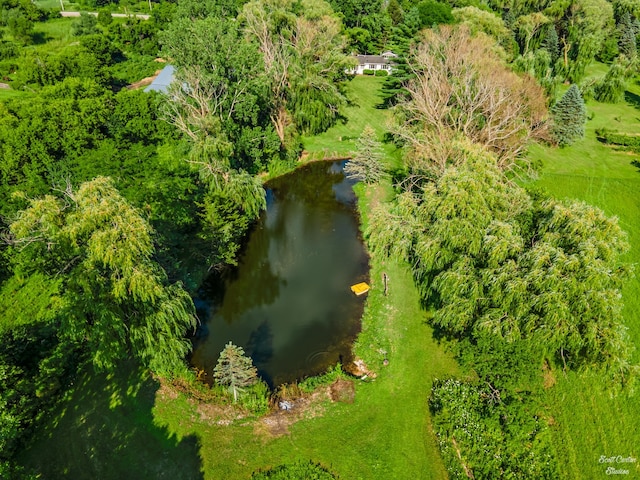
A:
<point x="366" y="164"/>
<point x="235" y="370"/>
<point x="569" y="117"/>
<point x="551" y="44"/>
<point x="627" y="36"/>
<point x="394" y="10"/>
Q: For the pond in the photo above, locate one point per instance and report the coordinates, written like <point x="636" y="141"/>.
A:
<point x="288" y="302"/>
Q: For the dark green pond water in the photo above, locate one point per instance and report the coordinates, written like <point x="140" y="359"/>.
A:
<point x="288" y="302"/>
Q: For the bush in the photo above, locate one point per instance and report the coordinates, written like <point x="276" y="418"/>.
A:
<point x="296" y="471"/>
<point x="368" y="71"/>
<point x="484" y="435"/>
<point x="611" y="137"/>
<point x="308" y="385"/>
<point x="381" y="73"/>
<point x="8" y="49"/>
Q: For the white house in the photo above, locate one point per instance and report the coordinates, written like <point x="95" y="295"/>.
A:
<point x="384" y="61"/>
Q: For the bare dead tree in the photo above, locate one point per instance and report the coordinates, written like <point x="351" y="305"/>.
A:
<point x="462" y="88"/>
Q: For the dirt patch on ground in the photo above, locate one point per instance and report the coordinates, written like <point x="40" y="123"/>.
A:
<point x="358" y="368"/>
<point x="167" y="392"/>
<point x="342" y="391"/>
<point x="5" y="86"/>
<point x="144" y="82"/>
<point x="277" y="423"/>
<point x="219" y="414"/>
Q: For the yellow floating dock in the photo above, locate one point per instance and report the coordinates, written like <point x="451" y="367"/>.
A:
<point x="360" y="288"/>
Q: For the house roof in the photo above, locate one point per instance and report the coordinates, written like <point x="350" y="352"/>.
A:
<point x="163" y="80"/>
<point x="364" y="59"/>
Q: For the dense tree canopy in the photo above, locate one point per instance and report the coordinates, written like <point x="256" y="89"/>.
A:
<point x="494" y="260"/>
<point x="114" y="298"/>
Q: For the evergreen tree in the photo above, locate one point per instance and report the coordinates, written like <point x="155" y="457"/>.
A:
<point x="366" y="164"/>
<point x="394" y="10"/>
<point x="569" y="117"/>
<point x="235" y="370"/>
<point x="627" y="36"/>
<point x="550" y="43"/>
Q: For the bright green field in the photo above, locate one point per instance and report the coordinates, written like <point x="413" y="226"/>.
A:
<point x="589" y="422"/>
<point x="125" y="427"/>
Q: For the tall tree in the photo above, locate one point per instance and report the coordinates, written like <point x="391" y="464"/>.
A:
<point x="114" y="299"/>
<point x="366" y="164"/>
<point x="494" y="261"/>
<point x="550" y="43"/>
<point x="583" y="26"/>
<point x="569" y="117"/>
<point x="462" y="87"/>
<point x="627" y="36"/>
<point x="304" y="61"/>
<point x="235" y="370"/>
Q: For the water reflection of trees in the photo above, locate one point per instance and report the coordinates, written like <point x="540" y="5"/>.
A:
<point x="314" y="184"/>
<point x="260" y="348"/>
<point x="255" y="283"/>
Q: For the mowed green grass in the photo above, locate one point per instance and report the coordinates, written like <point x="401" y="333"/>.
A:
<point x="386" y="433"/>
<point x="363" y="93"/>
<point x="588" y="421"/>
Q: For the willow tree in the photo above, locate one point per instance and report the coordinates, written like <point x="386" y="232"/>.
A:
<point x="494" y="261"/>
<point x="583" y="27"/>
<point x="113" y="298"/>
<point x="220" y="102"/>
<point x="217" y="102"/>
<point x="303" y="54"/>
<point x="462" y="88"/>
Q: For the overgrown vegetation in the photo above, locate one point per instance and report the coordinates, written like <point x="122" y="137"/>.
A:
<point x="521" y="285"/>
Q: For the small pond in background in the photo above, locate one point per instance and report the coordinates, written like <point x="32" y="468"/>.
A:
<point x="288" y="303"/>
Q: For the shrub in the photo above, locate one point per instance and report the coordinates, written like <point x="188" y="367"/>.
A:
<point x="381" y="73"/>
<point x="368" y="71"/>
<point x="611" y="137"/>
<point x="611" y="88"/>
<point x="307" y="470"/>
<point x="484" y="434"/>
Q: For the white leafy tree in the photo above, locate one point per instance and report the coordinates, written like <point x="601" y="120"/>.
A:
<point x="235" y="370"/>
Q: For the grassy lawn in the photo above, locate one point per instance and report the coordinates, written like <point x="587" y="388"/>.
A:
<point x="589" y="422"/>
<point x="339" y="141"/>
<point x="127" y="426"/>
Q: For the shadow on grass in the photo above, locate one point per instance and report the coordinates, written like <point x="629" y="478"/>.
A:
<point x="40" y="38"/>
<point x="632" y="99"/>
<point x="636" y="164"/>
<point x="105" y="429"/>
